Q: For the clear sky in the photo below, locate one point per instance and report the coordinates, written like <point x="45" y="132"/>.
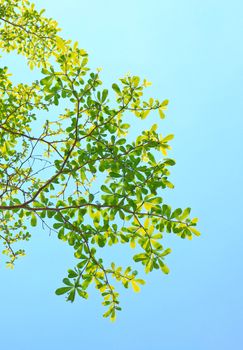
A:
<point x="192" y="52"/>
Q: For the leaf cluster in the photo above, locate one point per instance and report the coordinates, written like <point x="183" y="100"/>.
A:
<point x="79" y="176"/>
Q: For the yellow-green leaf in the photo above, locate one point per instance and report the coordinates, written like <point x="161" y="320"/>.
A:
<point x="161" y="113"/>
<point x="146" y="223"/>
<point x="195" y="231"/>
<point x="151" y="229"/>
<point x="135" y="286"/>
<point x="148" y="206"/>
<point x="132" y="244"/>
<point x="165" y="269"/>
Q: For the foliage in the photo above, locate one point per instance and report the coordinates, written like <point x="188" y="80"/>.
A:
<point x="79" y="176"/>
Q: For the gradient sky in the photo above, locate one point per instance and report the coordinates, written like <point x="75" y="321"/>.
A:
<point x="192" y="52"/>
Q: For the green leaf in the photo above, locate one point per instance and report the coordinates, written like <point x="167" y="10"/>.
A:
<point x="164" y="268"/>
<point x="104" y="95"/>
<point x="176" y="213"/>
<point x="67" y="282"/>
<point x="33" y="220"/>
<point x="47" y="81"/>
<point x="139" y="257"/>
<point x="116" y="88"/>
<point x="71" y="295"/>
<point x="105" y="189"/>
<point x="107" y="313"/>
<point x="62" y="290"/>
<point x="185" y="214"/>
<point x="112" y="174"/>
<point x="82" y="293"/>
<point x="166" y="252"/>
<point x="72" y="274"/>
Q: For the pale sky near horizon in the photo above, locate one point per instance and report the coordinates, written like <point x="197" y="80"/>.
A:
<point x="192" y="52"/>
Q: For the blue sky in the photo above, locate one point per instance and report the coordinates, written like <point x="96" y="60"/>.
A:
<point x="192" y="52"/>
